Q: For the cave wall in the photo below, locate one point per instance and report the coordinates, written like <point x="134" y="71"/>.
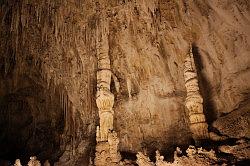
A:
<point x="53" y="44"/>
<point x="31" y="122"/>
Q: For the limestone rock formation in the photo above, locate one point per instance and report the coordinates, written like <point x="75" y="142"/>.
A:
<point x="104" y="98"/>
<point x="105" y="102"/>
<point x="107" y="141"/>
<point x="195" y="157"/>
<point x="235" y="124"/>
<point x="194" y="101"/>
<point x="71" y="71"/>
<point x="34" y="162"/>
<point x="143" y="160"/>
<point x="17" y="162"/>
<point x="107" y="151"/>
<point x="241" y="150"/>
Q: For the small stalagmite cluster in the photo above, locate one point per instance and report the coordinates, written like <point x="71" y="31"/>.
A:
<point x="194" y="157"/>
<point x="124" y="82"/>
<point x="33" y="162"/>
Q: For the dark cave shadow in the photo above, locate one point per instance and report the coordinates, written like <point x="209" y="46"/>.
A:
<point x="205" y="86"/>
<point x="18" y="131"/>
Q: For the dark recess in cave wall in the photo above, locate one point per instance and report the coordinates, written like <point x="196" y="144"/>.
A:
<point x="204" y="85"/>
<point x="31" y="121"/>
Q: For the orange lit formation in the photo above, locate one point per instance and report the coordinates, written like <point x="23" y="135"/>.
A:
<point x="194" y="100"/>
<point x="107" y="141"/>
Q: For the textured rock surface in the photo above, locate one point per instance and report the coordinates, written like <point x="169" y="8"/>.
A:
<point x="195" y="157"/>
<point x="48" y="65"/>
<point x="235" y="124"/>
<point x="194" y="101"/>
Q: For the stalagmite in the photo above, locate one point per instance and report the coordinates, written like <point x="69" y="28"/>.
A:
<point x="17" y="162"/>
<point x="194" y="100"/>
<point x="143" y="160"/>
<point x="159" y="159"/>
<point x="34" y="162"/>
<point x="107" y="152"/>
<point x="104" y="98"/>
<point x="105" y="101"/>
<point x="113" y="147"/>
<point x="107" y="140"/>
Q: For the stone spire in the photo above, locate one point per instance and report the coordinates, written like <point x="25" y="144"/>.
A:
<point x="17" y="162"/>
<point x="143" y="160"/>
<point x="104" y="98"/>
<point x="107" y="140"/>
<point x="194" y="100"/>
<point x="33" y="161"/>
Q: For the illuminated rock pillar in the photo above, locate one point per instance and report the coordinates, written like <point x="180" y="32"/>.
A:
<point x="107" y="140"/>
<point x="104" y="98"/>
<point x="194" y="100"/>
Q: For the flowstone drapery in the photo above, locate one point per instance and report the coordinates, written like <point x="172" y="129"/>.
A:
<point x="194" y="100"/>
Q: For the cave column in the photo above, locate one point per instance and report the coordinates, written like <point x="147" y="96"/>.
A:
<point x="104" y="98"/>
<point x="107" y="140"/>
<point x="194" y="100"/>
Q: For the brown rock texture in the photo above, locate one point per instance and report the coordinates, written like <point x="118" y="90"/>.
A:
<point x="49" y="63"/>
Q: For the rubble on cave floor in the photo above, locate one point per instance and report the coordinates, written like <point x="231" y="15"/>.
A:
<point x="197" y="156"/>
<point x="193" y="156"/>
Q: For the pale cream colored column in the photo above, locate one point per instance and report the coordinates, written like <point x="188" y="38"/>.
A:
<point x="107" y="141"/>
<point x="194" y="100"/>
<point x="104" y="98"/>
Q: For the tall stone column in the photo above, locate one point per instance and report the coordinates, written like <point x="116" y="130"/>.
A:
<point x="194" y="100"/>
<point x="107" y="140"/>
<point x="104" y="98"/>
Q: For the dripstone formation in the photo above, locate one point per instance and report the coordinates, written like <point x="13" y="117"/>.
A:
<point x="124" y="82"/>
<point x="107" y="140"/>
<point x="194" y="100"/>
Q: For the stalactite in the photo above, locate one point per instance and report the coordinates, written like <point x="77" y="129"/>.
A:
<point x="129" y="88"/>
